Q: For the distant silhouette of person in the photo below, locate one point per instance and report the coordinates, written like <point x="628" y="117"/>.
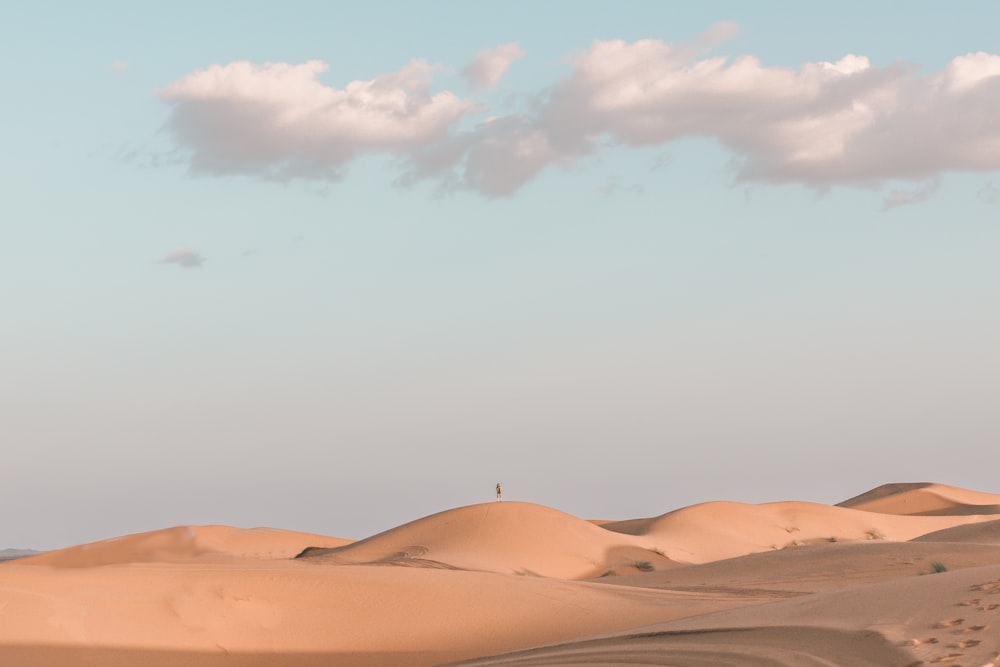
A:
<point x="499" y="492"/>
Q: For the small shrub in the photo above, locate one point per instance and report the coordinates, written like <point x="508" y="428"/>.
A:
<point x="832" y="538"/>
<point x="937" y="566"/>
<point x="875" y="534"/>
<point x="644" y="566"/>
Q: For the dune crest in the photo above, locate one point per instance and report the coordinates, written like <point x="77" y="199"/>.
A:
<point x="722" y="529"/>
<point x="509" y="538"/>
<point x="924" y="499"/>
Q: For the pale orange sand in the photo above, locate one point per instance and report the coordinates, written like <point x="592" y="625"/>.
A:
<point x="184" y="544"/>
<point x="925" y="498"/>
<point x="719" y="583"/>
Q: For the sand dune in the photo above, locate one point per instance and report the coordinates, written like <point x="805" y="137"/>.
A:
<point x="720" y="583"/>
<point x="510" y="538"/>
<point x="186" y="543"/>
<point x="947" y="618"/>
<point x="716" y="530"/>
<point x="987" y="532"/>
<point x="925" y="498"/>
<point x="815" y="568"/>
<point x="523" y="538"/>
<point x="761" y="646"/>
<point x="293" y="607"/>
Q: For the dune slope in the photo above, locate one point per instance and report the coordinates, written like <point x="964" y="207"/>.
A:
<point x="716" y="530"/>
<point x="509" y="537"/>
<point x="349" y="615"/>
<point x="946" y="618"/>
<point x="183" y="544"/>
<point x="987" y="532"/>
<point x="925" y="499"/>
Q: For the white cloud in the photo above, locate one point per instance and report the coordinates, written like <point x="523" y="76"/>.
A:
<point x="119" y="65"/>
<point x="490" y="65"/>
<point x="647" y="93"/>
<point x="280" y="121"/>
<point x="969" y="71"/>
<point x="820" y="124"/>
<point x="185" y="257"/>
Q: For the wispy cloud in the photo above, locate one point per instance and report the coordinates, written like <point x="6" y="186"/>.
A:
<point x="143" y="157"/>
<point x="612" y="187"/>
<point x="119" y="65"/>
<point x="989" y="193"/>
<point x="916" y="195"/>
<point x="662" y="161"/>
<point x="185" y="257"/>
<point x="490" y="65"/>
<point x="821" y="124"/>
<point x="720" y="32"/>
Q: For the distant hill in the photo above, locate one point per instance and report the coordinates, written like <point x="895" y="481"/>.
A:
<point x="14" y="554"/>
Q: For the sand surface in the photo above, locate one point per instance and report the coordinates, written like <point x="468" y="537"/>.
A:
<point x="906" y="574"/>
<point x="185" y="544"/>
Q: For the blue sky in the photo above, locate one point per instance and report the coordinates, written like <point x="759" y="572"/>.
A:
<point x="231" y="298"/>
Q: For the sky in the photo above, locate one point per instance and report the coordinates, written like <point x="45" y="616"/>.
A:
<point x="332" y="267"/>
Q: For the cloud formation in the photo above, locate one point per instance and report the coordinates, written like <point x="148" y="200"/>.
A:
<point x="490" y="65"/>
<point x="824" y="124"/>
<point x="280" y="121"/>
<point x="821" y="124"/>
<point x="185" y="257"/>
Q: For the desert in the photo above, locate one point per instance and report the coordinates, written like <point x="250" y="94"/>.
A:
<point x="576" y="332"/>
<point x="905" y="574"/>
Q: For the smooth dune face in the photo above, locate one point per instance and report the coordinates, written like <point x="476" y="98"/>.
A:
<point x="509" y="538"/>
<point x="296" y="606"/>
<point x="791" y="572"/>
<point x="987" y="532"/>
<point x="925" y="499"/>
<point x="716" y="530"/>
<point x="719" y="583"/>
<point x="182" y="544"/>
<point x="940" y="619"/>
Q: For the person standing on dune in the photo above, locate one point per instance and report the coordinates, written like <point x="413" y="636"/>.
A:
<point x="499" y="492"/>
